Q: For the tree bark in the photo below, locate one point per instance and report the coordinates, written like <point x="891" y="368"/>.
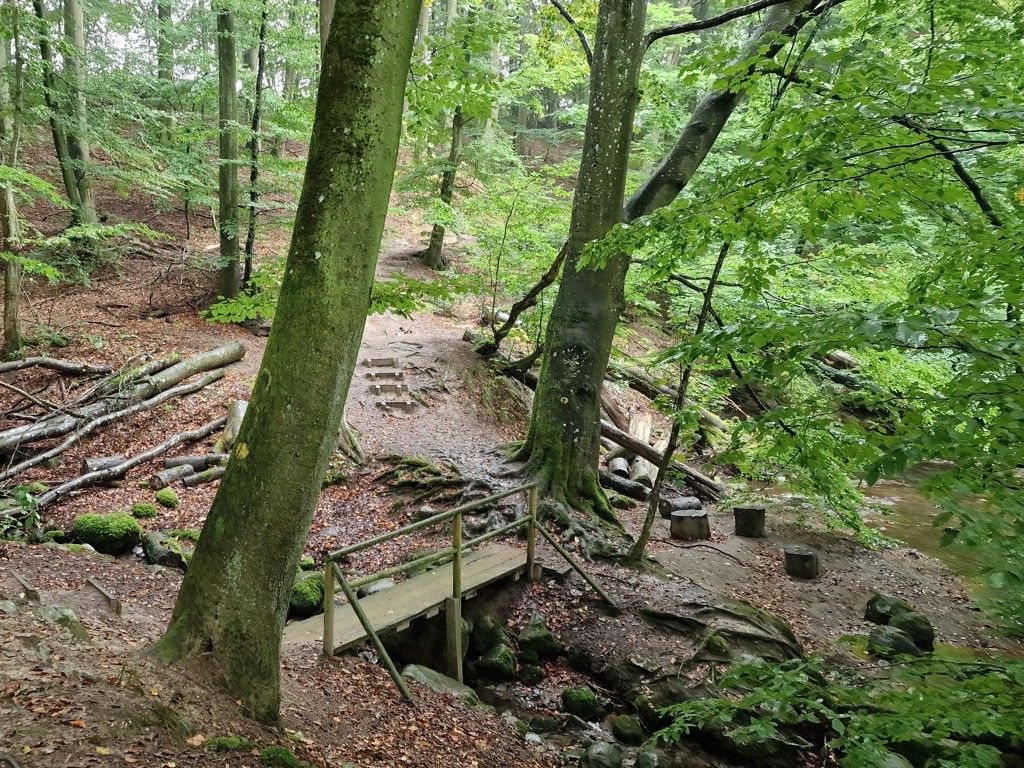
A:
<point x="233" y="602"/>
<point x="254" y="150"/>
<point x="10" y="239"/>
<point x="227" y="73"/>
<point x="562" y="446"/>
<point x="78" y="121"/>
<point x="433" y="256"/>
<point x="165" y="62"/>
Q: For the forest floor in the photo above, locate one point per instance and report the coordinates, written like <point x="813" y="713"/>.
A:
<point x="104" y="702"/>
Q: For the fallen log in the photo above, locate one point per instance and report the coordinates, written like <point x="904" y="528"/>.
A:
<point x="62" y="424"/>
<point x="695" y="477"/>
<point x="624" y="486"/>
<point x="114" y="473"/>
<point x="100" y="462"/>
<point x="108" y="417"/>
<point x="236" y="412"/>
<point x="647" y="387"/>
<point x="123" y="380"/>
<point x="206" y="476"/>
<point x="198" y="463"/>
<point x="167" y="477"/>
<point x="61" y="366"/>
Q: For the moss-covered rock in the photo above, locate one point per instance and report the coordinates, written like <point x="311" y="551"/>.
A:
<point x="307" y="564"/>
<point x="499" y="663"/>
<point x="536" y="643"/>
<point x="144" y="510"/>
<point x="112" y="534"/>
<point x="279" y="757"/>
<point x="228" y="744"/>
<point x="918" y="627"/>
<point x="435" y="681"/>
<point x="186" y="534"/>
<point x="544" y="724"/>
<point x="166" y="497"/>
<point x="488" y="632"/>
<point x="889" y="642"/>
<point x="65" y="617"/>
<point x="531" y="674"/>
<point x="55" y="535"/>
<point x="647" y="760"/>
<point x="601" y="754"/>
<point x="579" y="700"/>
<point x="629" y="730"/>
<point x="881" y="608"/>
<point x="307" y="597"/>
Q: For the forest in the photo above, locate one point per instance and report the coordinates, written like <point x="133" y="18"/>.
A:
<point x="678" y="342"/>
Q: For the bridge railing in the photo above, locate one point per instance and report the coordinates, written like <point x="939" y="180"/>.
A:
<point x="333" y="575"/>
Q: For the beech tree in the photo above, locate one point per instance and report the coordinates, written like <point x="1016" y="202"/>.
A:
<point x="227" y="71"/>
<point x="234" y="599"/>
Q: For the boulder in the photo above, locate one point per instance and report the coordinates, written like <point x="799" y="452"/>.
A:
<point x="581" y="701"/>
<point x="112" y="534"/>
<point x="65" y="617"/>
<point x="439" y="683"/>
<point x="888" y="642"/>
<point x="647" y="760"/>
<point x="488" y="632"/>
<point x="629" y="730"/>
<point x="8" y="606"/>
<point x="536" y="643"/>
<point x="307" y="598"/>
<point x="531" y="674"/>
<point x="375" y="586"/>
<point x="601" y="754"/>
<point x="918" y="627"/>
<point x="161" y="549"/>
<point x="881" y="608"/>
<point x="544" y="724"/>
<point x="499" y="663"/>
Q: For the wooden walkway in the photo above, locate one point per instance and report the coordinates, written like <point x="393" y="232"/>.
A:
<point x="422" y="595"/>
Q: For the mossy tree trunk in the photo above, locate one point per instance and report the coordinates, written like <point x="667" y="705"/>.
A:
<point x="564" y="438"/>
<point x="234" y="599"/>
<point x="227" y="76"/>
<point x="78" y="121"/>
<point x="562" y="446"/>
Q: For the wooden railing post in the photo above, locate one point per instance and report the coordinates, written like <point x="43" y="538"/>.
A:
<point x="531" y="535"/>
<point x="329" y="608"/>
<point x="453" y="605"/>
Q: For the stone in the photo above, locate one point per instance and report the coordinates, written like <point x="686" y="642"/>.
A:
<point x="499" y="663"/>
<point x="536" y="643"/>
<point x="881" y="608"/>
<point x="9" y="606"/>
<point x="65" y="617"/>
<point x="647" y="760"/>
<point x="307" y="598"/>
<point x="544" y="724"/>
<point x="112" y="534"/>
<point x="435" y="681"/>
<point x="488" y="632"/>
<point x="888" y="642"/>
<point x="534" y="739"/>
<point x="601" y="754"/>
<point x="531" y="674"/>
<point x="629" y="730"/>
<point x="581" y="701"/>
<point x="918" y="627"/>
<point x="375" y="586"/>
<point x="161" y="549"/>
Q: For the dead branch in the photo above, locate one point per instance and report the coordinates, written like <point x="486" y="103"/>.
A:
<point x="61" y="366"/>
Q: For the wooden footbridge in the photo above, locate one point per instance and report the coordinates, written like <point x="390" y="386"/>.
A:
<point x="467" y="567"/>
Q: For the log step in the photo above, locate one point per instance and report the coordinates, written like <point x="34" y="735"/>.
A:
<point x="390" y="389"/>
<point x="400" y="405"/>
<point x="381" y="362"/>
<point x="381" y="375"/>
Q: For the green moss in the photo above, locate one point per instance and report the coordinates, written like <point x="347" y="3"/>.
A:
<point x="111" y="534"/>
<point x="307" y="596"/>
<point x="307" y="564"/>
<point x="579" y="700"/>
<point x="279" y="757"/>
<point x="143" y="510"/>
<point x="55" y="535"/>
<point x="629" y="730"/>
<point x="227" y="744"/>
<point x="188" y="534"/>
<point x="167" y="498"/>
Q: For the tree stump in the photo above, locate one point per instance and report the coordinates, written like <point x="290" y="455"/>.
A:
<point x="801" y="562"/>
<point x="749" y="522"/>
<point x="690" y="525"/>
<point x="680" y="504"/>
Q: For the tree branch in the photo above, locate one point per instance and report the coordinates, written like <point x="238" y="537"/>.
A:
<point x="579" y="32"/>
<point x="715" y="21"/>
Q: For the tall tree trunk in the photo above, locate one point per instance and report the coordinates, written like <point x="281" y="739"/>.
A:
<point x="565" y="429"/>
<point x="228" y="133"/>
<point x="9" y="231"/>
<point x="433" y="257"/>
<point x="326" y="13"/>
<point x="78" y="121"/>
<point x="422" y="30"/>
<point x="60" y="145"/>
<point x="165" y="62"/>
<point x="254" y="149"/>
<point x="233" y="602"/>
<point x="562" y="444"/>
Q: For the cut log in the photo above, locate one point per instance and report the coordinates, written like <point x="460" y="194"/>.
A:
<point x="690" y="525"/>
<point x="749" y="522"/>
<point x="61" y="366"/>
<point x="640" y="469"/>
<point x="169" y="476"/>
<point x="619" y="466"/>
<point x="101" y="462"/>
<point x="624" y="486"/>
<point x="236" y="412"/>
<point x="105" y="475"/>
<point x="206" y="476"/>
<point x="61" y="424"/>
<point x="106" y="418"/>
<point x="801" y="562"/>
<point x="681" y="504"/>
<point x="198" y="463"/>
<point x="696" y="478"/>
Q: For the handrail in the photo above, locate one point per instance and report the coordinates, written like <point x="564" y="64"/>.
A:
<point x="440" y="517"/>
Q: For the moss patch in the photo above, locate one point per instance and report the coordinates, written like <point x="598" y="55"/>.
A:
<point x="307" y="597"/>
<point x="144" y="511"/>
<point x="279" y="757"/>
<point x="228" y="744"/>
<point x="112" y="534"/>
<point x="187" y="534"/>
<point x="166" y="497"/>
